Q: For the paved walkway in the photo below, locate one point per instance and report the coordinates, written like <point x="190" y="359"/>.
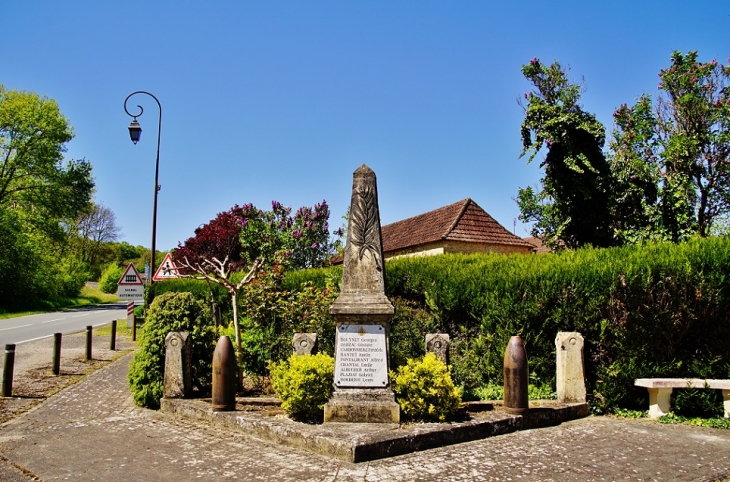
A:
<point x="92" y="431"/>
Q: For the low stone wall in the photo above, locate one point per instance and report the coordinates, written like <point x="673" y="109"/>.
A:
<point x="362" y="442"/>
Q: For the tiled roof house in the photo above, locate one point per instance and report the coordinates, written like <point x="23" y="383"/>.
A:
<point x="462" y="227"/>
<point x="540" y="247"/>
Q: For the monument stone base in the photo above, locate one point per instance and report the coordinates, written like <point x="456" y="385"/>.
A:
<point x="362" y="405"/>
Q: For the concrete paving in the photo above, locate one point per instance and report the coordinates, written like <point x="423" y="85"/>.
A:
<point x="92" y="431"/>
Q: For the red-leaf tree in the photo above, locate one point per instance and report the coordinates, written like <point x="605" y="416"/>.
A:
<point x="214" y="254"/>
<point x="256" y="243"/>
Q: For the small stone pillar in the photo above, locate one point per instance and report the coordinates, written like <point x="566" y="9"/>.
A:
<point x="304" y="343"/>
<point x="569" y="376"/>
<point x="438" y="344"/>
<point x="362" y="313"/>
<point x="178" y="378"/>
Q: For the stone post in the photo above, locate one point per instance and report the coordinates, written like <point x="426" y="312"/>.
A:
<point x="438" y="344"/>
<point x="304" y="343"/>
<point x="178" y="353"/>
<point x="569" y="376"/>
<point x="362" y="313"/>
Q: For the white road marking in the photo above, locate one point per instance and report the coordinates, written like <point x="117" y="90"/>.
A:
<point x="15" y="327"/>
<point x="32" y="339"/>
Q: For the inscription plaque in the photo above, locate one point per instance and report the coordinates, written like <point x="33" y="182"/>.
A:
<point x="360" y="358"/>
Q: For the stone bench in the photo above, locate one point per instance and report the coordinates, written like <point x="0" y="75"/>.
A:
<point x="660" y="390"/>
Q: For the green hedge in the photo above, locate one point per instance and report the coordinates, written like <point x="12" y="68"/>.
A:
<point x="200" y="289"/>
<point x="646" y="311"/>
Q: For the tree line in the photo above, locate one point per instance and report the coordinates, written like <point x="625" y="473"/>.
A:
<point x="664" y="176"/>
<point x="53" y="235"/>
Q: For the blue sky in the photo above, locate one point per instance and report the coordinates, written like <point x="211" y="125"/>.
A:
<point x="284" y="100"/>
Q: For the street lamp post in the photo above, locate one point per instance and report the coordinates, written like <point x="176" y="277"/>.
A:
<point x="135" y="131"/>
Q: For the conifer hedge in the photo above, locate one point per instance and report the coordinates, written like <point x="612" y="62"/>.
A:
<point x="658" y="310"/>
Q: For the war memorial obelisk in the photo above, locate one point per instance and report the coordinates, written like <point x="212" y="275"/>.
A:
<point x="362" y="392"/>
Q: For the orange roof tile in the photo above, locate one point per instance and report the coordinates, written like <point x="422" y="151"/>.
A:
<point x="538" y="244"/>
<point x="462" y="221"/>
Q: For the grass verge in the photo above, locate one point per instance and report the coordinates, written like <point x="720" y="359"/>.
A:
<point x="672" y="418"/>
<point x="88" y="296"/>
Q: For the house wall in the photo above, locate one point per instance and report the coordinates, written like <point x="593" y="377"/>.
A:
<point x="442" y="247"/>
<point x="465" y="247"/>
<point x="431" y="249"/>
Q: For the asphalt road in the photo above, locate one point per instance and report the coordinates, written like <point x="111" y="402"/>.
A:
<point x="24" y="329"/>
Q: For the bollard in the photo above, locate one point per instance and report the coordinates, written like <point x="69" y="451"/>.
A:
<point x="113" y="343"/>
<point x="224" y="376"/>
<point x="8" y="370"/>
<point x="56" y="353"/>
<point x="515" y="377"/>
<point x="134" y="327"/>
<point x="88" y="342"/>
<point x="130" y="314"/>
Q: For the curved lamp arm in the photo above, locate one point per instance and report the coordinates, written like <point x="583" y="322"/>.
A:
<point x="135" y="131"/>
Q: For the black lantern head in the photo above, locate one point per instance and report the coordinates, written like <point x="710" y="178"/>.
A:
<point x="135" y="131"/>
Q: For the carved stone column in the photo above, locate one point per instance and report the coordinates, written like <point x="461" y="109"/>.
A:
<point x="363" y="314"/>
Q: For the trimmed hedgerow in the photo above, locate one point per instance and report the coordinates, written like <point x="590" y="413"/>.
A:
<point x="201" y="290"/>
<point x="645" y="311"/>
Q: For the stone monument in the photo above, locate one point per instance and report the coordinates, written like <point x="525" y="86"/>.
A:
<point x="569" y="376"/>
<point x="362" y="313"/>
<point x="438" y="344"/>
<point x="177" y="382"/>
<point x="304" y="343"/>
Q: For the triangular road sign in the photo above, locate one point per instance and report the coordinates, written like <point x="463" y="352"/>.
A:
<point x="130" y="277"/>
<point x="167" y="270"/>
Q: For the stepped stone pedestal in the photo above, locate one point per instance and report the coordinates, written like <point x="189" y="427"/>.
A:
<point x="363" y="313"/>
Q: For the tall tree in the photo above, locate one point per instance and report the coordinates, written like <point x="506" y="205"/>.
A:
<point x="671" y="158"/>
<point x="636" y="170"/>
<point x="694" y="128"/>
<point x="94" y="227"/>
<point x="572" y="207"/>
<point x="34" y="178"/>
<point x="39" y="193"/>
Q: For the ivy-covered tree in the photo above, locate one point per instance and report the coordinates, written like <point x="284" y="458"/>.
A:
<point x="572" y="207"/>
